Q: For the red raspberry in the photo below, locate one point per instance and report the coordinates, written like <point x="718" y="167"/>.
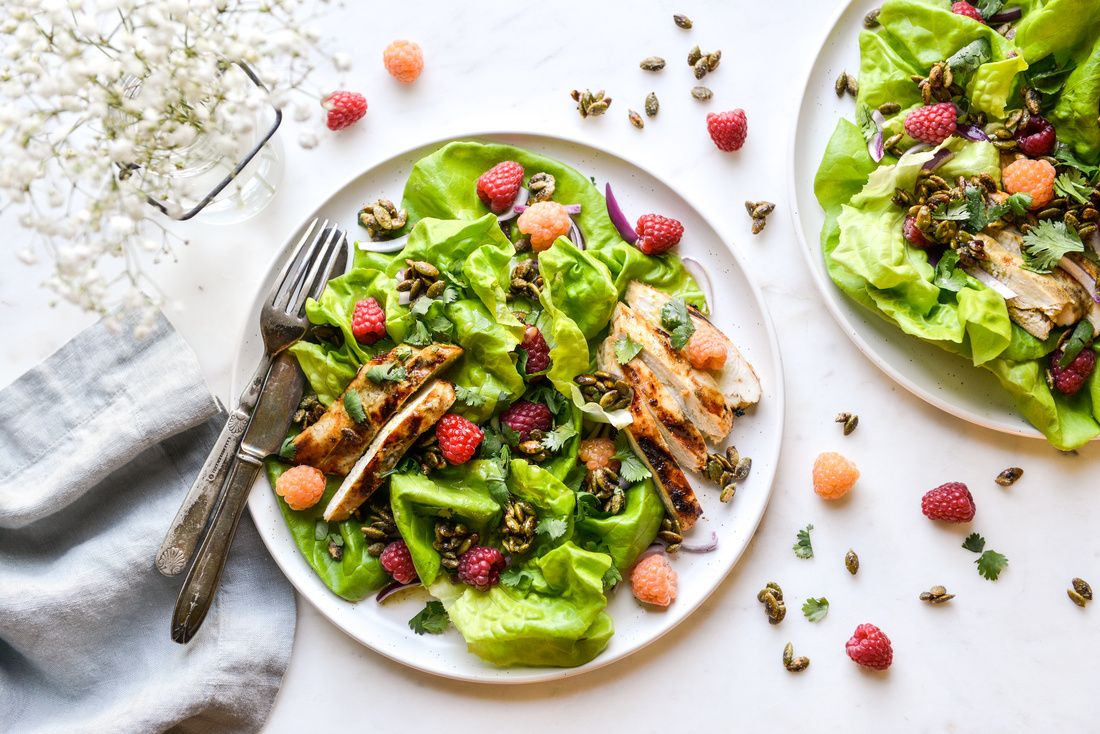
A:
<point x="951" y="502"/>
<point x="404" y="61"/>
<point x="300" y="486"/>
<point x="932" y="123"/>
<point x="458" y="438"/>
<point x="913" y="235"/>
<point x="728" y="129"/>
<point x="498" y="186"/>
<point x="1037" y="138"/>
<point x="538" y="351"/>
<point x="368" y="321"/>
<point x="654" y="580"/>
<point x="963" y="8"/>
<point x="480" y="567"/>
<point x="344" y="108"/>
<point x="870" y="647"/>
<point x="1034" y="178"/>
<point x="398" y="562"/>
<point x="657" y="234"/>
<point x="525" y="416"/>
<point x="1070" y="379"/>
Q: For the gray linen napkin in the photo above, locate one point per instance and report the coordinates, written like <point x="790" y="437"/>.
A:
<point x="98" y="445"/>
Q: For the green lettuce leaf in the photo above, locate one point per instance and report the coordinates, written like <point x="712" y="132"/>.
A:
<point x="357" y="573"/>
<point x="552" y="500"/>
<point x="926" y="33"/>
<point x="337" y="303"/>
<point x="1075" y="113"/>
<point x="626" y="535"/>
<point x="884" y="74"/>
<point x="486" y="365"/>
<point x="1066" y="28"/>
<point x="328" y="370"/>
<point x="581" y="285"/>
<point x="558" y="621"/>
<point x="993" y="84"/>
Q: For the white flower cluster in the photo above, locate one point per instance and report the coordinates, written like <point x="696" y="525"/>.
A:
<point x="100" y="102"/>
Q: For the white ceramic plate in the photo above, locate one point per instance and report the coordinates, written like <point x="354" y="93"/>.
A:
<point x="945" y="380"/>
<point x="739" y="310"/>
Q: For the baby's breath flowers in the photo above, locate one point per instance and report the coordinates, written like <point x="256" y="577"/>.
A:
<point x="101" y="101"/>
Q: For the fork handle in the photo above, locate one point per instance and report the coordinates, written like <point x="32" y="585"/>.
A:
<point x="186" y="529"/>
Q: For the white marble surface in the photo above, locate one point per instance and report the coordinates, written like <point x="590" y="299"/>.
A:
<point x="1013" y="655"/>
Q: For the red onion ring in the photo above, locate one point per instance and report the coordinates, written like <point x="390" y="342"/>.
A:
<point x="1006" y="16"/>
<point x="876" y="146"/>
<point x="701" y="277"/>
<point x="615" y="212"/>
<point x="972" y="132"/>
<point x="943" y="155"/>
<point x="510" y="213"/>
<point x="704" y="548"/>
<point x="393" y="588"/>
<point x="988" y="280"/>
<point x="570" y="208"/>
<point x="576" y="236"/>
<point x="1081" y="276"/>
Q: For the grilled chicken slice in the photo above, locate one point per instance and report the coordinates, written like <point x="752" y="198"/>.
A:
<point x="739" y="381"/>
<point x="1093" y="271"/>
<point x="1043" y="300"/>
<point x="683" y="437"/>
<point x="648" y="442"/>
<point x="388" y="446"/>
<point x="335" y="442"/>
<point x="697" y="391"/>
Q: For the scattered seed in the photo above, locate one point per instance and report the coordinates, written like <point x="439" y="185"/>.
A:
<point x="1033" y="100"/>
<point x="788" y="655"/>
<point x="759" y="211"/>
<point x="652" y="63"/>
<point x="889" y="108"/>
<point x="701" y="93"/>
<point x="635" y="119"/>
<point x="850" y="421"/>
<point x="694" y="55"/>
<point x="1009" y="476"/>
<point x="851" y="562"/>
<point x="652" y="106"/>
<point x="590" y="104"/>
<point x="841" y="85"/>
<point x="771" y="596"/>
<point x="853" y="85"/>
<point x="700" y="68"/>
<point x="799" y="664"/>
<point x="871" y="19"/>
<point x="1082" y="587"/>
<point x="713" y="59"/>
<point x="1076" y="598"/>
<point x="936" y="595"/>
<point x="682" y="21"/>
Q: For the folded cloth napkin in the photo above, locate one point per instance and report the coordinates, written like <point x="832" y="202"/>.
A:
<point x="98" y="446"/>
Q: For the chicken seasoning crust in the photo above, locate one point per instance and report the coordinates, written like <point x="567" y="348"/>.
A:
<point x="470" y="443"/>
<point x="963" y="202"/>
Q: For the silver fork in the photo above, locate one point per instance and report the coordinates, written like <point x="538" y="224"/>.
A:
<point x="281" y="324"/>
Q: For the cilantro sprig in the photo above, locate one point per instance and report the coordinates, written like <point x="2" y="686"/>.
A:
<point x="432" y="619"/>
<point x="815" y="609"/>
<point x="1047" y="243"/>
<point x="626" y="349"/>
<point x="803" y="547"/>
<point x="990" y="562"/>
<point x="632" y="468"/>
<point x="676" y="319"/>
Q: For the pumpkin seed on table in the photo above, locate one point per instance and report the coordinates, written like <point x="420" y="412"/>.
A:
<point x="1009" y="476"/>
<point x="771" y="596"/>
<point x="652" y="105"/>
<point x="682" y="21"/>
<point x="694" y="55"/>
<point x="851" y="562"/>
<point x="792" y="663"/>
<point x="701" y="93"/>
<point x="850" y="421"/>
<point x="635" y="119"/>
<point x="590" y="104"/>
<point x="652" y="63"/>
<point x="1081" y="593"/>
<point x="759" y="211"/>
<point x="936" y="595"/>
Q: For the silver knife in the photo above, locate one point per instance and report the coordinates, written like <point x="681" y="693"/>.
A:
<point x="282" y="391"/>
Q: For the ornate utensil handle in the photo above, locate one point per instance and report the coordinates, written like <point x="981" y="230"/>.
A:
<point x="186" y="529"/>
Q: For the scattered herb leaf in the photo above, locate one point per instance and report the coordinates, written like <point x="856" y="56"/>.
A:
<point x="803" y="547"/>
<point x="320" y="530"/>
<point x="552" y="527"/>
<point x="418" y="335"/>
<point x="989" y="7"/>
<point x="990" y="564"/>
<point x="386" y="372"/>
<point x="1047" y="243"/>
<point x="1065" y="155"/>
<point x="611" y="578"/>
<point x="555" y="439"/>
<point x="432" y="619"/>
<point x="815" y="609"/>
<point x="519" y="578"/>
<point x="955" y="211"/>
<point x="626" y="349"/>
<point x="633" y="469"/>
<point x="974" y="543"/>
<point x="469" y="396"/>
<point x="968" y="58"/>
<point x="948" y="275"/>
<point x="353" y="404"/>
<point x="1077" y="341"/>
<point x="677" y="321"/>
<point x="1048" y="76"/>
<point x="1072" y="185"/>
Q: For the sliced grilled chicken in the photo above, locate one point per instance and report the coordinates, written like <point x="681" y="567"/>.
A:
<point x="704" y="403"/>
<point x="1043" y="300"/>
<point x="1093" y="271"/>
<point x="683" y="437"/>
<point x="389" y="445"/>
<point x="648" y="442"/>
<point x="335" y="442"/>
<point x="739" y="381"/>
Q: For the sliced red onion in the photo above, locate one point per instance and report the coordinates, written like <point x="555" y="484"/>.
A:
<point x="943" y="155"/>
<point x="876" y="146"/>
<point x="570" y="208"/>
<point x="978" y="274"/>
<point x="701" y="277"/>
<point x="972" y="132"/>
<point x="1006" y="16"/>
<point x="512" y="211"/>
<point x="1081" y="276"/>
<point x="918" y="148"/>
<point x="576" y="236"/>
<point x="626" y="230"/>
<point x="393" y="588"/>
<point x="704" y="548"/>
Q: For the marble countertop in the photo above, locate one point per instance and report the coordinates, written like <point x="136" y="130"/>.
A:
<point x="1010" y="655"/>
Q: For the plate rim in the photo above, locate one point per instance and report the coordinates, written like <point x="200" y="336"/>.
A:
<point x="775" y="443"/>
<point x="828" y="291"/>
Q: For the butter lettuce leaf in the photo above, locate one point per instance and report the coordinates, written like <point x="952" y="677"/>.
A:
<point x="626" y="535"/>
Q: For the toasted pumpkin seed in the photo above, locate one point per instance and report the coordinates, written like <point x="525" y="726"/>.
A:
<point x="841" y="84"/>
<point x="851" y="562"/>
<point x="635" y="119"/>
<point x="652" y="63"/>
<point x="694" y="55"/>
<point x="700" y="68"/>
<point x="652" y="106"/>
<point x="682" y="21"/>
<point x="889" y="108"/>
<point x="701" y="93"/>
<point x="1082" y="587"/>
<point x="850" y="421"/>
<point x="1076" y="598"/>
<point x="871" y="19"/>
<point x="1009" y="476"/>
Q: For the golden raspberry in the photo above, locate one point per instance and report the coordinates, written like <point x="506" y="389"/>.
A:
<point x="834" y="475"/>
<point x="706" y="350"/>
<point x="597" y="453"/>
<point x="300" y="486"/>
<point x="404" y="61"/>
<point x="1025" y="176"/>
<point x="544" y="222"/>
<point x="654" y="580"/>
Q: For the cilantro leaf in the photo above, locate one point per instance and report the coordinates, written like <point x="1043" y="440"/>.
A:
<point x="948" y="276"/>
<point x="803" y="547"/>
<point x="1072" y="185"/>
<point x="955" y="211"/>
<point x="450" y="295"/>
<point x="990" y="564"/>
<point x="320" y="530"/>
<point x="611" y="577"/>
<point x="520" y="578"/>
<point x="677" y="321"/>
<point x="626" y="349"/>
<point x="469" y="396"/>
<point x="418" y="335"/>
<point x="420" y="306"/>
<point x="288" y="449"/>
<point x="552" y="527"/>
<point x="1077" y="341"/>
<point x="633" y="469"/>
<point x="1065" y="155"/>
<point x="815" y="609"/>
<point x="587" y="505"/>
<point x="386" y="372"/>
<point x="989" y="7"/>
<point x="1047" y="243"/>
<point x="432" y="619"/>
<point x="353" y="404"/>
<point x="979" y="212"/>
<point x="974" y="543"/>
<point x="1018" y="204"/>
<point x="555" y="439"/>
<point x="1048" y="76"/>
<point x="402" y="353"/>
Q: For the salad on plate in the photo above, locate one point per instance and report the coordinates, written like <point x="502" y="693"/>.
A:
<point x="962" y="202"/>
<point x="506" y="410"/>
